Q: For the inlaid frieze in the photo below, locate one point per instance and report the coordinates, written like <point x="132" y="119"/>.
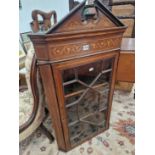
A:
<point x="68" y="50"/>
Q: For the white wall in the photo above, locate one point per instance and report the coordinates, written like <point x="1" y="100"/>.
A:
<point x="60" y="6"/>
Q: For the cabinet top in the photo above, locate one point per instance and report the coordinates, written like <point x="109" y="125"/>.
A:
<point x="87" y="17"/>
<point x="89" y="29"/>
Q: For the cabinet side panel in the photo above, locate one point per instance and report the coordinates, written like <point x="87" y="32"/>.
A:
<point x="48" y="83"/>
<point x="59" y="89"/>
<point x="112" y="88"/>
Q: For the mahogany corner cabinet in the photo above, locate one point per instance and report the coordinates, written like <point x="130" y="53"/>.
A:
<point x="77" y="59"/>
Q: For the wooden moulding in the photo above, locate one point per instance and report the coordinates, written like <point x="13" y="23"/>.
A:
<point x="68" y="49"/>
<point x="83" y="47"/>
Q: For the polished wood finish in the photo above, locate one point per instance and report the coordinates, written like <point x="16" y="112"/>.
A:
<point x="34" y="88"/>
<point x="126" y="64"/>
<point x="126" y="67"/>
<point x="76" y="43"/>
<point x="46" y="23"/>
<point x="49" y="87"/>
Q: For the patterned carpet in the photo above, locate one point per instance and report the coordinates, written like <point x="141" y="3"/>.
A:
<point x="119" y="139"/>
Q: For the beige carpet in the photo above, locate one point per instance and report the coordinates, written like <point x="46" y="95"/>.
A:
<point x="119" y="139"/>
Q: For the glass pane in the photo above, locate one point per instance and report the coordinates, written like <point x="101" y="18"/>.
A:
<point x="87" y="73"/>
<point x="87" y="127"/>
<point x="102" y="83"/>
<point x="86" y="90"/>
<point x="68" y="75"/>
<point x="89" y="103"/>
<point x="96" y="119"/>
<point x="107" y="64"/>
<point x="85" y="105"/>
<point x="73" y="87"/>
<point x="104" y="100"/>
<point x="72" y="114"/>
<point x="72" y="97"/>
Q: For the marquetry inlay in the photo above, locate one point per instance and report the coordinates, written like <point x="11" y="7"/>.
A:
<point x="100" y="23"/>
<point x="75" y="49"/>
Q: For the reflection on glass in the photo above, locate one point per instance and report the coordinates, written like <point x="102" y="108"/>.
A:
<point x="73" y="87"/>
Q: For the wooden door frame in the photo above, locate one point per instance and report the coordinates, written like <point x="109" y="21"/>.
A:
<point x="57" y="70"/>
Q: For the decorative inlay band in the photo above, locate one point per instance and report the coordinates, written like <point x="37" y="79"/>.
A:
<point x="75" y="49"/>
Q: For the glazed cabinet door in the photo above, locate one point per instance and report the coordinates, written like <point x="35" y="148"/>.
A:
<point x="84" y="90"/>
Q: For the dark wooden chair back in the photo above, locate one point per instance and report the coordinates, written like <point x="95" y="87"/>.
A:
<point x="33" y="83"/>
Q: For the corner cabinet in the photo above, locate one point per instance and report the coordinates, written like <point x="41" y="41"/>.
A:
<point x="77" y="60"/>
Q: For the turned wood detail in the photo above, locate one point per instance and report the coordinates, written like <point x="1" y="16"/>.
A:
<point x="66" y="50"/>
<point x="46" y="23"/>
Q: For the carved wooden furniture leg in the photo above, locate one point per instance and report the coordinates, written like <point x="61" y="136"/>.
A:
<point x="44" y="129"/>
<point x="46" y="132"/>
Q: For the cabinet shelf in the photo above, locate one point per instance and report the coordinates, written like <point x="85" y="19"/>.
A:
<point x="76" y="102"/>
<point x="105" y="85"/>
